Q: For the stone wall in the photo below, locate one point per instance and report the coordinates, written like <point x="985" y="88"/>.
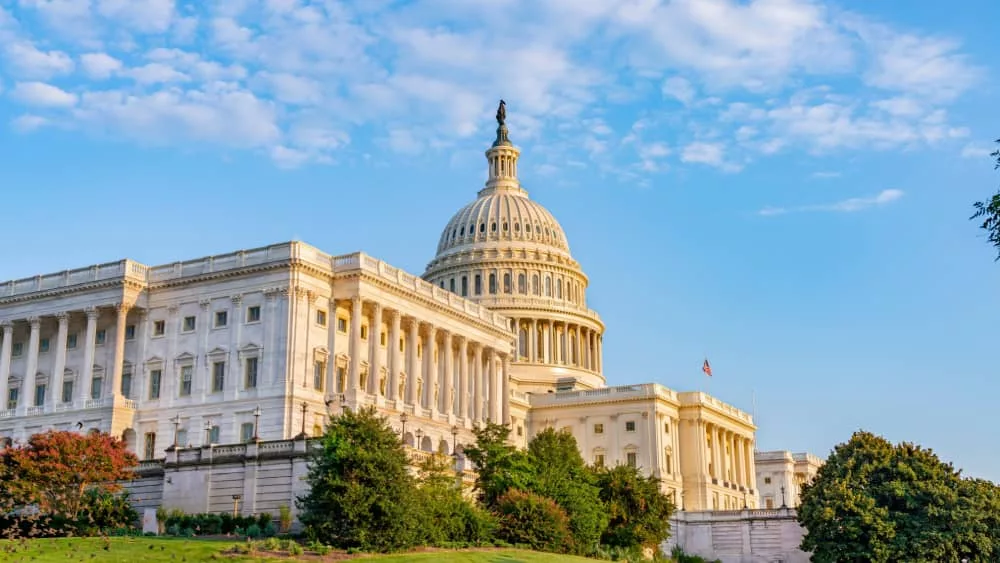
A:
<point x="740" y="536"/>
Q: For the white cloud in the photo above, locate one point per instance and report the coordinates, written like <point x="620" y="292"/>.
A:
<point x="853" y="204"/>
<point x="27" y="123"/>
<point x="145" y="16"/>
<point x="291" y="88"/>
<point x="679" y="88"/>
<point x="99" y="65"/>
<point x="30" y="62"/>
<point x="40" y="94"/>
<point x="975" y="150"/>
<point x="825" y="175"/>
<point x="704" y="153"/>
<point x="156" y="73"/>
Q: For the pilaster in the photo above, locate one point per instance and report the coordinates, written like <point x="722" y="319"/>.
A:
<point x="58" y="370"/>
<point x="7" y="333"/>
<point x="28" y="387"/>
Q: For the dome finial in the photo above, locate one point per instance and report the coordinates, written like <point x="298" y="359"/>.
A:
<point x="502" y="139"/>
<point x="502" y="112"/>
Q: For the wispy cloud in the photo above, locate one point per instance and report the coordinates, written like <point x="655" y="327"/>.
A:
<point x="976" y="150"/>
<point x="845" y="206"/>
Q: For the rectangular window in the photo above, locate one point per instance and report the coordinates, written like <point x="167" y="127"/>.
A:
<point x="188" y="324"/>
<point x="769" y="502"/>
<point x="364" y="332"/>
<point x="630" y="459"/>
<point x="630" y="426"/>
<point x="341" y="379"/>
<point x="246" y="432"/>
<point x="96" y="385"/>
<point x="155" y="375"/>
<point x="187" y="372"/>
<point x="250" y="373"/>
<point x="17" y="349"/>
<point x="102" y="335"/>
<point x="319" y="375"/>
<point x="159" y="328"/>
<point x="465" y="286"/>
<point x="221" y="318"/>
<point x="43" y="345"/>
<point x="39" y="394"/>
<point x="71" y="341"/>
<point x="668" y="465"/>
<point x="149" y="445"/>
<point x="212" y="436"/>
<point x="598" y="429"/>
<point x="127" y="383"/>
<point x="666" y="427"/>
<point x="253" y="314"/>
<point x="218" y="376"/>
<point x="381" y="338"/>
<point x="479" y="284"/>
<point x="321" y="318"/>
<point x="12" y="394"/>
<point x="129" y="332"/>
<point x="342" y="325"/>
<point x="182" y="438"/>
<point x="451" y="285"/>
<point x="67" y="392"/>
<point x="599" y="460"/>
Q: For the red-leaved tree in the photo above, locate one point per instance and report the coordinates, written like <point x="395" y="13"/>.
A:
<point x="55" y="471"/>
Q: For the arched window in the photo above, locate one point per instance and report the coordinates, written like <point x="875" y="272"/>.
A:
<point x="559" y="288"/>
<point x="521" y="284"/>
<point x="522" y="343"/>
<point x="506" y="283"/>
<point x="493" y="284"/>
<point x="548" y="286"/>
<point x="465" y="286"/>
<point x="493" y="227"/>
<point x="479" y="284"/>
<point x="534" y="284"/>
<point x="482" y="227"/>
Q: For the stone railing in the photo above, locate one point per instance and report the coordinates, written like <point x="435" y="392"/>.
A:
<point x="697" y="397"/>
<point x="222" y="262"/>
<point x="546" y="303"/>
<point x="95" y="273"/>
<point x="619" y="393"/>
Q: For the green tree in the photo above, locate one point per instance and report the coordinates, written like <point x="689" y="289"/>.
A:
<point x="639" y="512"/>
<point x="533" y="520"/>
<point x="446" y="516"/>
<point x="876" y="502"/>
<point x="500" y="466"/>
<point x="989" y="212"/>
<point x="561" y="475"/>
<point x="361" y="491"/>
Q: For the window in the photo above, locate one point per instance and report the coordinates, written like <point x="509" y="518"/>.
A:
<point x="127" y="382"/>
<point x="188" y="324"/>
<point x="667" y="464"/>
<point x="493" y="284"/>
<point x="71" y="341"/>
<point x="321" y="318"/>
<point x="364" y="332"/>
<point x="17" y="349"/>
<point x="149" y="445"/>
<point x="666" y="427"/>
<point x="630" y="426"/>
<point x="155" y="376"/>
<point x="506" y="283"/>
<point x="534" y="284"/>
<point x="221" y="319"/>
<point x="767" y="480"/>
<point x="769" y="502"/>
<point x="182" y="438"/>
<point x="630" y="459"/>
<point x="67" y="392"/>
<point x="319" y="374"/>
<point x="212" y="435"/>
<point x="102" y="335"/>
<point x="342" y="325"/>
<point x="246" y="432"/>
<point x="12" y="394"/>
<point x="548" y="286"/>
<point x="522" y="284"/>
<point x="186" y="374"/>
<point x="218" y="376"/>
<point x="39" y="394"/>
<point x="43" y="345"/>
<point x="465" y="286"/>
<point x="451" y="285"/>
<point x="129" y="332"/>
<point x="95" y="387"/>
<point x="250" y="373"/>
<point x="253" y="314"/>
<point x="479" y="284"/>
<point x="341" y="379"/>
<point x="381" y="338"/>
<point x="599" y="460"/>
<point x="317" y="430"/>
<point x="159" y="327"/>
<point x="598" y="429"/>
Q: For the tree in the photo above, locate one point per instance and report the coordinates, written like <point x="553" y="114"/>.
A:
<point x="989" y="212"/>
<point x="500" y="466"/>
<point x="446" y="515"/>
<point x="876" y="502"/>
<point x="59" y="474"/>
<point x="533" y="520"/>
<point x="561" y="475"/>
<point x="639" y="512"/>
<point x="360" y="489"/>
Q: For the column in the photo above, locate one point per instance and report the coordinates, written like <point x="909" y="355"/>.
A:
<point x="138" y="366"/>
<point x="28" y="388"/>
<point x="331" y="345"/>
<point x="738" y="460"/>
<point x="463" y="378"/>
<point x="394" y="356"/>
<point x="505" y="390"/>
<point x="584" y="349"/>
<point x="412" y="363"/>
<point x="533" y="344"/>
<point x="547" y="342"/>
<point x="430" y="369"/>
<point x="600" y="353"/>
<point x="493" y="391"/>
<point x="750" y="465"/>
<point x="56" y="379"/>
<point x="354" y="375"/>
<point x="121" y="309"/>
<point x="719" y="454"/>
<point x="593" y="350"/>
<point x="447" y="400"/>
<point x="6" y="348"/>
<point x="375" y="341"/>
<point x="477" y="368"/>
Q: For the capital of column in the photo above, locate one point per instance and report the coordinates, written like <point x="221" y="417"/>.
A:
<point x="237" y="299"/>
<point x="35" y="322"/>
<point x="355" y="300"/>
<point x="6" y="325"/>
<point x="395" y="315"/>
<point x="204" y="303"/>
<point x="61" y="316"/>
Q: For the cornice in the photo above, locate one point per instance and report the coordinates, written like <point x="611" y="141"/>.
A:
<point x="68" y="290"/>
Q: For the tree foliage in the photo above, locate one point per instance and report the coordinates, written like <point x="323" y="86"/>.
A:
<point x="877" y="502"/>
<point x="500" y="466"/>
<point x="989" y="212"/>
<point x="533" y="520"/>
<point x="446" y="517"/>
<point x="361" y="491"/>
<point x="639" y="512"/>
<point x="64" y="481"/>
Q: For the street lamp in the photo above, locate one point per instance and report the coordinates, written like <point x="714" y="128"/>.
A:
<point x="783" y="505"/>
<point x="403" y="418"/>
<point x="454" y="441"/>
<point x="177" y="423"/>
<point x="256" y="424"/>
<point x="236" y="505"/>
<point x="419" y="434"/>
<point x="302" y="435"/>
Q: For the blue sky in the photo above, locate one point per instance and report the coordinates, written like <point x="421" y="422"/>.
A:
<point x="783" y="185"/>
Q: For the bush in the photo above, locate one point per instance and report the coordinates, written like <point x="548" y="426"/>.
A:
<point x="264" y="518"/>
<point x="284" y="519"/>
<point x="534" y="521"/>
<point x="253" y="531"/>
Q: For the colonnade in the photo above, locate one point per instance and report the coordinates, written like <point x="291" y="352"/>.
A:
<point x="557" y="342"/>
<point x="730" y="458"/>
<point x="427" y="366"/>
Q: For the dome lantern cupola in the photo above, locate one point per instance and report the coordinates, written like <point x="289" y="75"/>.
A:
<point x="502" y="159"/>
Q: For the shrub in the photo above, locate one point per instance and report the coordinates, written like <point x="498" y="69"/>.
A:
<point x="253" y="531"/>
<point x="294" y="549"/>
<point x="534" y="521"/>
<point x="284" y="519"/>
<point x="264" y="518"/>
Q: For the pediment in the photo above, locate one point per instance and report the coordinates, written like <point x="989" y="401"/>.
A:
<point x="218" y="351"/>
<point x="185" y="357"/>
<point x="251" y="347"/>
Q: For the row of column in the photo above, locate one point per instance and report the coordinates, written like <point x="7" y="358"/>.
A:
<point x="731" y="456"/>
<point x="26" y="397"/>
<point x="454" y="375"/>
<point x="555" y="342"/>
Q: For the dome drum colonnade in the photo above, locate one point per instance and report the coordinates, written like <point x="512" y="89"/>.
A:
<point x="507" y="252"/>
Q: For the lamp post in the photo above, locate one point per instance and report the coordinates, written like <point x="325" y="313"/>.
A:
<point x="256" y="424"/>
<point x="177" y="423"/>
<point x="454" y="441"/>
<point x="419" y="434"/>
<point x="302" y="434"/>
<point x="402" y="435"/>
<point x="236" y="505"/>
<point x="783" y="505"/>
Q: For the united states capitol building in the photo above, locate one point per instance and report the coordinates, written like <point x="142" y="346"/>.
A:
<point x="261" y="346"/>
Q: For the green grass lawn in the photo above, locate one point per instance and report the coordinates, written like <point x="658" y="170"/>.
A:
<point x="178" y="550"/>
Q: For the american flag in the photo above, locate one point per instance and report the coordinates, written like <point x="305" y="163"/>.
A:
<point x="706" y="368"/>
